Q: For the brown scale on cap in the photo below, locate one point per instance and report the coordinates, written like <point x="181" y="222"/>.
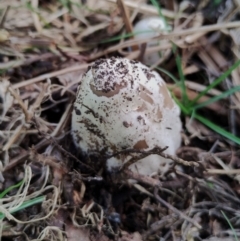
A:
<point x="123" y="104"/>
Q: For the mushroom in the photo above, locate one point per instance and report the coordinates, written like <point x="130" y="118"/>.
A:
<point x="148" y="28"/>
<point x="121" y="104"/>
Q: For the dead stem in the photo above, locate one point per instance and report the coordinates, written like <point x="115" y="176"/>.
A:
<point x="49" y="75"/>
<point x="223" y="172"/>
<point x="148" y="9"/>
<point x="3" y="16"/>
<point x="22" y="105"/>
<point x="142" y="178"/>
<point x="24" y="155"/>
<point x="173" y="209"/>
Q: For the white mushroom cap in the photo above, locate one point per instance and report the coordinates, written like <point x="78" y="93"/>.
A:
<point x="120" y="105"/>
<point x="148" y="28"/>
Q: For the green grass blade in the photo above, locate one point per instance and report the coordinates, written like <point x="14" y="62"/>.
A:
<point x="217" y="129"/>
<point x="158" y="7"/>
<point x="168" y="74"/>
<point x="3" y="193"/>
<point x="25" y="205"/>
<point x="182" y="107"/>
<point x="116" y="38"/>
<point x="230" y="225"/>
<point x="216" y="82"/>
<point x="185" y="99"/>
<point x="217" y="2"/>
<point x="65" y="3"/>
<point x="219" y="97"/>
<point x="3" y="71"/>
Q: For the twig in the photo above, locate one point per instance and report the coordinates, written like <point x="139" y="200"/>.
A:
<point x="208" y="28"/>
<point x="154" y="151"/>
<point x="24" y="155"/>
<point x="125" y="15"/>
<point x="148" y="9"/>
<point x="4" y="15"/>
<point x="50" y="75"/>
<point x="180" y="160"/>
<point x="175" y="210"/>
<point x="70" y="154"/>
<point x="128" y="43"/>
<point x="126" y="19"/>
<point x="143" y="179"/>
<point x="53" y="138"/>
<point x="16" y="135"/>
<point x="20" y="102"/>
<point x="223" y="172"/>
<point x="162" y="223"/>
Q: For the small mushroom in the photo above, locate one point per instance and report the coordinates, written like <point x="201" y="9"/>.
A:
<point x="121" y="104"/>
<point x="148" y="28"/>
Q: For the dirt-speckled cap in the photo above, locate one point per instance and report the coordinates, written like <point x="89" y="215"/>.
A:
<point x="122" y="104"/>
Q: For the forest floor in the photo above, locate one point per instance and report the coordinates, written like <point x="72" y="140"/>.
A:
<point x="48" y="191"/>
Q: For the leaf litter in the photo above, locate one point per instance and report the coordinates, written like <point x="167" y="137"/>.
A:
<point x="49" y="190"/>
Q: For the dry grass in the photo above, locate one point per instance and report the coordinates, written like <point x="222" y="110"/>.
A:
<point x="45" y="48"/>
